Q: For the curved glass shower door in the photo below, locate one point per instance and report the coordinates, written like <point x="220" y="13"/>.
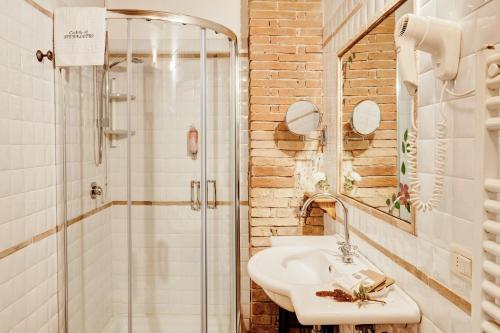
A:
<point x="155" y="251"/>
<point x="163" y="269"/>
<point x="178" y="191"/>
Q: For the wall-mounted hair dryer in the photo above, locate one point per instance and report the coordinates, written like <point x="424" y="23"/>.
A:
<point x="442" y="40"/>
<point x="438" y="37"/>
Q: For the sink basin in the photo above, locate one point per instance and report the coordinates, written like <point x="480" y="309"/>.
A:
<point x="277" y="269"/>
<point x="307" y="265"/>
<point x="295" y="267"/>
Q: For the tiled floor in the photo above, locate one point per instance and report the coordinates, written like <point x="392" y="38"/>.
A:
<point x="167" y="323"/>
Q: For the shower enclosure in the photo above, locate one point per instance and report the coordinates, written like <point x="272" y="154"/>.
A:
<point x="156" y="133"/>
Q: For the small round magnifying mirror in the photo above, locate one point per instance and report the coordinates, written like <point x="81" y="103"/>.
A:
<point x="302" y="118"/>
<point x="365" y="117"/>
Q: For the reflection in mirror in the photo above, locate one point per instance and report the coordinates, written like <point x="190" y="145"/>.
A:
<point x="375" y="122"/>
<point x="365" y="118"/>
<point x="302" y="118"/>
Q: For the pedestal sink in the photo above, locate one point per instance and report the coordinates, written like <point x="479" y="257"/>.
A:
<point x="294" y="268"/>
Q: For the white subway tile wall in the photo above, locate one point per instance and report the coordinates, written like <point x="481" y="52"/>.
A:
<point x="452" y="221"/>
<point x="78" y="87"/>
<point x="244" y="218"/>
<point x="28" y="278"/>
<point x="31" y="200"/>
<point x="90" y="284"/>
<point x="89" y="240"/>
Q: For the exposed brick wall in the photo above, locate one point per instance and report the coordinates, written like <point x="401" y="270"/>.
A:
<point x="285" y="66"/>
<point x="370" y="74"/>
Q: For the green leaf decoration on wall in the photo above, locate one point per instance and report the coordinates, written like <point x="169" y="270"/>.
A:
<point x="405" y="135"/>
<point x="403" y="168"/>
<point x="408" y="207"/>
<point x="397" y="205"/>
<point x="403" y="147"/>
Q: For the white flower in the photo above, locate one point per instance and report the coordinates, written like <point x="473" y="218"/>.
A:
<point x="355" y="176"/>
<point x="319" y="176"/>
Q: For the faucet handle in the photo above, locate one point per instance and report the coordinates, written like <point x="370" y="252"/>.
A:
<point x="347" y="248"/>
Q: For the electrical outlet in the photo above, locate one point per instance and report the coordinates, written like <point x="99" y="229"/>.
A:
<point x="461" y="261"/>
<point x="461" y="265"/>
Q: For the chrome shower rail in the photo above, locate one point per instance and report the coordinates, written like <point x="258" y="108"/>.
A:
<point x="170" y="17"/>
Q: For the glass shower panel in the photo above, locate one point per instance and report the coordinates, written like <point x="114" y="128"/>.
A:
<point x="88" y="234"/>
<point x="220" y="180"/>
<point x="155" y="251"/>
<point x="117" y="151"/>
<point x="166" y="174"/>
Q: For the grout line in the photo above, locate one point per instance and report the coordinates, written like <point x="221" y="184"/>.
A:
<point x="15" y="248"/>
<point x="343" y="23"/>
<point x="40" y="8"/>
<point x="386" y="12"/>
<point x="88" y="214"/>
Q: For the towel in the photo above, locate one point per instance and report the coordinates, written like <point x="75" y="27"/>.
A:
<point x="79" y="36"/>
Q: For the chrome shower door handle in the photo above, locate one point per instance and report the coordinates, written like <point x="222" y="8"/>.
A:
<point x="212" y="204"/>
<point x="195" y="195"/>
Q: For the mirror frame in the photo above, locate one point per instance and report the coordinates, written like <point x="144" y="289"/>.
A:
<point x="408" y="226"/>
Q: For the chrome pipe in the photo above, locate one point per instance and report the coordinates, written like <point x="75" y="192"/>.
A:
<point x="204" y="284"/>
<point x="65" y="204"/>
<point x="235" y="102"/>
<point x="129" y="177"/>
<point x="170" y="17"/>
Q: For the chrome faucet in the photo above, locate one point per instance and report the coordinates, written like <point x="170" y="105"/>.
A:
<point x="346" y="248"/>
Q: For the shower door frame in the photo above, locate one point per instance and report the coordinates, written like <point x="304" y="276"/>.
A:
<point x="203" y="24"/>
<point x="133" y="14"/>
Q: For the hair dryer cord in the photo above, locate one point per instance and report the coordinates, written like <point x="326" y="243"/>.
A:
<point x="439" y="161"/>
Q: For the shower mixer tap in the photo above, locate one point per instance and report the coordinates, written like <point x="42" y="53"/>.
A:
<point x="95" y="190"/>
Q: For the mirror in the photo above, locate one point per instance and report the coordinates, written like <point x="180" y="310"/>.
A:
<point x="374" y="123"/>
<point x="365" y="117"/>
<point x="302" y="118"/>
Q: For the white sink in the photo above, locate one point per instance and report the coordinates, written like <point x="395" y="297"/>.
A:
<point x="294" y="268"/>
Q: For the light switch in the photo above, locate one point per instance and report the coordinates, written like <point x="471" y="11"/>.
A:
<point x="461" y="261"/>
<point x="461" y="265"/>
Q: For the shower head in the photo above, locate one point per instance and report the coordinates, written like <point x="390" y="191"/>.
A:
<point x="134" y="61"/>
